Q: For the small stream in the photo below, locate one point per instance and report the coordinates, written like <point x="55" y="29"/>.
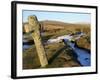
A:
<point x="84" y="57"/>
<point x="26" y="44"/>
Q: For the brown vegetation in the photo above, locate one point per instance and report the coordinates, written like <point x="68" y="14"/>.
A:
<point x="57" y="54"/>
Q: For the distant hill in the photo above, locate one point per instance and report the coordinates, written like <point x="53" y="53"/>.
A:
<point x="49" y="25"/>
<point x="57" y="25"/>
<point x="54" y="22"/>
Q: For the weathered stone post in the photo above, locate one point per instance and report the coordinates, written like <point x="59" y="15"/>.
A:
<point x="34" y="27"/>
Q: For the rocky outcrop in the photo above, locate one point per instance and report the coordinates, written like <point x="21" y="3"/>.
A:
<point x="83" y="43"/>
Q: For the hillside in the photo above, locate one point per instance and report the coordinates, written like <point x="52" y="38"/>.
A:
<point x="57" y="26"/>
<point x="57" y="53"/>
<point x="49" y="25"/>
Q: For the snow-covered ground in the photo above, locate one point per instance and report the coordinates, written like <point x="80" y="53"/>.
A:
<point x="68" y="37"/>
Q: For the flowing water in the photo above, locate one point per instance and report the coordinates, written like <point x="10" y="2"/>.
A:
<point x="84" y="57"/>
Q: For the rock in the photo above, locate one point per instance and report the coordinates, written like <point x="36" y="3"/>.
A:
<point x="82" y="42"/>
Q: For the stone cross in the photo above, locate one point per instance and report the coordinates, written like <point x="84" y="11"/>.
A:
<point x="33" y="27"/>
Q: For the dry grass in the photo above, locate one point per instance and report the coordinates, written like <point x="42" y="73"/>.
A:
<point x="57" y="54"/>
